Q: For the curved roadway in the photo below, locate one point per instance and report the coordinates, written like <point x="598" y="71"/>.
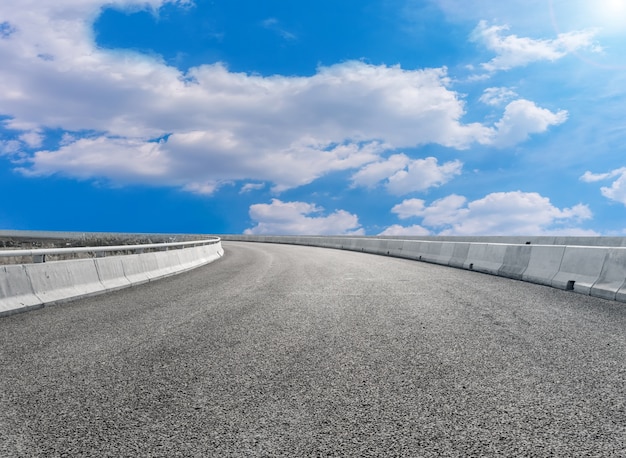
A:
<point x="282" y="350"/>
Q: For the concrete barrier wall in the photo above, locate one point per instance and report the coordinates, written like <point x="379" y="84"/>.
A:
<point x="580" y="268"/>
<point x="611" y="282"/>
<point x="544" y="264"/>
<point x="515" y="261"/>
<point x="58" y="280"/>
<point x="485" y="257"/>
<point x="16" y="291"/>
<point x="594" y="270"/>
<point x="27" y="286"/>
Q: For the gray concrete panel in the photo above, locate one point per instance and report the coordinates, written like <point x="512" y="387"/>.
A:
<point x="613" y="275"/>
<point x="485" y="257"/>
<point x="544" y="263"/>
<point x="16" y="290"/>
<point x="59" y="280"/>
<point x="111" y="273"/>
<point x="413" y="249"/>
<point x="394" y="247"/>
<point x="459" y="255"/>
<point x="580" y="268"/>
<point x="33" y="285"/>
<point x="515" y="262"/>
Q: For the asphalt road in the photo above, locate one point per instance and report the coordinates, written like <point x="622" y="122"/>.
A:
<point x="280" y="350"/>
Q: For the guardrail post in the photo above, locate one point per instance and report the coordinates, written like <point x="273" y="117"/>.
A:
<point x="39" y="258"/>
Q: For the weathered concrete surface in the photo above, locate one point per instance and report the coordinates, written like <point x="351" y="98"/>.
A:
<point x="515" y="261"/>
<point x="16" y="291"/>
<point x="111" y="273"/>
<point x="612" y="278"/>
<point x="580" y="268"/>
<point x="544" y="264"/>
<point x="485" y="257"/>
<point x="60" y="280"/>
<point x="35" y="285"/>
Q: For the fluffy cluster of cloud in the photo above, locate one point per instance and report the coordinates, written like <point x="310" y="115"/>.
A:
<point x="513" y="51"/>
<point x="523" y="118"/>
<point x="132" y="118"/>
<point x="617" y="190"/>
<point x="280" y="217"/>
<point x="403" y="175"/>
<point x="500" y="213"/>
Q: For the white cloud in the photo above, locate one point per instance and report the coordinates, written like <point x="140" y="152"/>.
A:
<point x="203" y="189"/>
<point x="617" y="190"/>
<point x="496" y="96"/>
<point x="9" y="147"/>
<point x="500" y="213"/>
<point x="422" y="174"/>
<point x="372" y="174"/>
<point x="32" y="139"/>
<point x="513" y="51"/>
<point x="438" y="214"/>
<point x="522" y="118"/>
<point x="124" y="159"/>
<point x="402" y="175"/>
<point x="249" y="187"/>
<point x="295" y="218"/>
<point x="409" y="208"/>
<point x="589" y="177"/>
<point x="182" y="160"/>
<point x="396" y="229"/>
<point x="219" y="126"/>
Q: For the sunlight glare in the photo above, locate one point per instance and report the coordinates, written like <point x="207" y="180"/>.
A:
<point x="609" y="15"/>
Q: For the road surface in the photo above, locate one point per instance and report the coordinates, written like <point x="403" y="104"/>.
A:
<point x="279" y="350"/>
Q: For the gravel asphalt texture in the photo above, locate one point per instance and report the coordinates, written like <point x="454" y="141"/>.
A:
<point x="279" y="350"/>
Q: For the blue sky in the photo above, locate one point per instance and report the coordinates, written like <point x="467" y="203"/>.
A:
<point x="398" y="117"/>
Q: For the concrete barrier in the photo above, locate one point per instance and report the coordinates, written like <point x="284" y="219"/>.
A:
<point x="394" y="248"/>
<point x="446" y="253"/>
<point x="580" y="268"/>
<point x="58" y="280"/>
<point x="369" y="246"/>
<point x="16" y="290"/>
<point x="188" y="259"/>
<point x="380" y="247"/>
<point x="437" y="252"/>
<point x="621" y="294"/>
<point x="515" y="262"/>
<point x="348" y="244"/>
<point x="612" y="278"/>
<point x="412" y="249"/>
<point x="485" y="257"/>
<point x="459" y="254"/>
<point x="28" y="286"/>
<point x="137" y="268"/>
<point x="543" y="264"/>
<point x="168" y="263"/>
<point x="334" y="242"/>
<point x="111" y="273"/>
